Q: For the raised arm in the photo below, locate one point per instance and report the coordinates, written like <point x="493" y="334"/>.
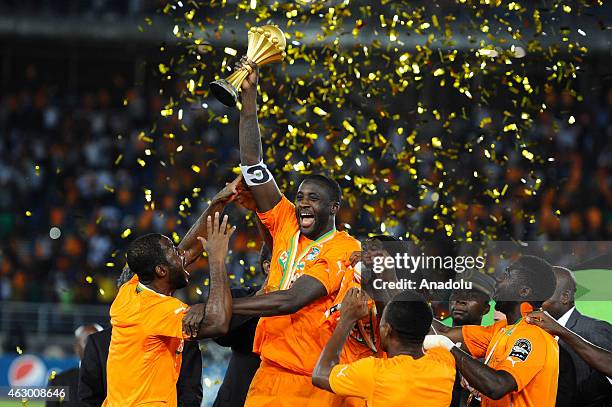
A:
<point x="217" y="311"/>
<point x="598" y="358"/>
<point x="354" y="307"/>
<point x="264" y="188"/>
<point x="244" y="198"/>
<point x="190" y="242"/>
<point x="305" y="290"/>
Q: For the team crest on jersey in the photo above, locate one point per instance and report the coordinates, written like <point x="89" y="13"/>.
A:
<point x="282" y="259"/>
<point x="314" y="252"/>
<point x="521" y="349"/>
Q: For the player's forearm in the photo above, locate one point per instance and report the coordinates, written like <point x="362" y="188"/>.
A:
<point x="453" y="333"/>
<point x="330" y="356"/>
<point x="190" y="242"/>
<point x="492" y="383"/>
<point x="248" y="131"/>
<point x="219" y="304"/>
<point x="266" y="305"/>
<point x="596" y="357"/>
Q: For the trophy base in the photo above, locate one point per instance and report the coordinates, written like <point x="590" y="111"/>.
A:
<point x="225" y="92"/>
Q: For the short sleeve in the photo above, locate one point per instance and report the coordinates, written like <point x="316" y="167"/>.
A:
<point x="477" y="338"/>
<point x="525" y="358"/>
<point x="165" y="318"/>
<point x="330" y="275"/>
<point x="354" y="379"/>
<point x="282" y="213"/>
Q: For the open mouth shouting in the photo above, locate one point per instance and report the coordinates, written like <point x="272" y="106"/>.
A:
<point x="306" y="218"/>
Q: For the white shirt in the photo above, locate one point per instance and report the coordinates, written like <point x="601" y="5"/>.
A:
<point x="565" y="317"/>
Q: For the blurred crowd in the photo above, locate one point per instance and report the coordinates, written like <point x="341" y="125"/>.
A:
<point x="79" y="178"/>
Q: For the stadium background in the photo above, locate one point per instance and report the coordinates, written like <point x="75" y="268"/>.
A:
<point x="91" y="137"/>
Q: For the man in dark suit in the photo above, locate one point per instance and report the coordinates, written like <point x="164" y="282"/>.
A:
<point x="70" y="377"/>
<point x="583" y="386"/>
<point x="92" y="377"/>
<point x="243" y="363"/>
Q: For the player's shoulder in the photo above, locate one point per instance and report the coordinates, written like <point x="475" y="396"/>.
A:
<point x="151" y="300"/>
<point x="533" y="331"/>
<point x="485" y="329"/>
<point x="440" y="356"/>
<point x="343" y="241"/>
<point x="531" y="335"/>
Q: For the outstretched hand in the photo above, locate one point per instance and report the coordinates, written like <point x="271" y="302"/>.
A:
<point x="230" y="192"/>
<point x="545" y="321"/>
<point x="354" y="305"/>
<point x="244" y="196"/>
<point x="218" y="237"/>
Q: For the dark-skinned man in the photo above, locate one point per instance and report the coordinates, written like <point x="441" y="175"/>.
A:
<point x="521" y="361"/>
<point x="149" y="325"/>
<point x="92" y="372"/>
<point x="581" y="386"/>
<point x="307" y="268"/>
<point x="468" y="307"/>
<point x="407" y="376"/>
<point x="92" y="375"/>
<point x="598" y="358"/>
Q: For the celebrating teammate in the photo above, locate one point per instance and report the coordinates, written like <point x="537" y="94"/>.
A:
<point x="407" y="376"/>
<point x="307" y="268"/>
<point x="521" y="362"/>
<point x="149" y="325"/>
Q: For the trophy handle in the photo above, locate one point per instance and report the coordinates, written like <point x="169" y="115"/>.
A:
<point x="225" y="92"/>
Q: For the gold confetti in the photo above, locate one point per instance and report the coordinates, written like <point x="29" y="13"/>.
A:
<point x="126" y="233"/>
<point x="321" y="105"/>
<point x="230" y="51"/>
<point x="319" y="111"/>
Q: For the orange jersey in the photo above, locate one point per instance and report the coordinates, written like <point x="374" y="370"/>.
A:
<point x="527" y="352"/>
<point x="295" y="341"/>
<point x="364" y="338"/>
<point x="400" y="381"/>
<point x="144" y="358"/>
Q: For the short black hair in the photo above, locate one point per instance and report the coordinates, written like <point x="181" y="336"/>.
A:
<point x="144" y="254"/>
<point x="538" y="274"/>
<point x="265" y="254"/>
<point x="331" y="186"/>
<point x="410" y="316"/>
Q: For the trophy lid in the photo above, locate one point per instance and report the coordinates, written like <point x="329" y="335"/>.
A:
<point x="277" y="33"/>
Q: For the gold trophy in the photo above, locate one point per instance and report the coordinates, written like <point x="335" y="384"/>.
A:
<point x="266" y="45"/>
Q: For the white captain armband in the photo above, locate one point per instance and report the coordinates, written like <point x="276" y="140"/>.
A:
<point x="257" y="174"/>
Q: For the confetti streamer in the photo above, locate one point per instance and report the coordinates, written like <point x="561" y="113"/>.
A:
<point x="401" y="102"/>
